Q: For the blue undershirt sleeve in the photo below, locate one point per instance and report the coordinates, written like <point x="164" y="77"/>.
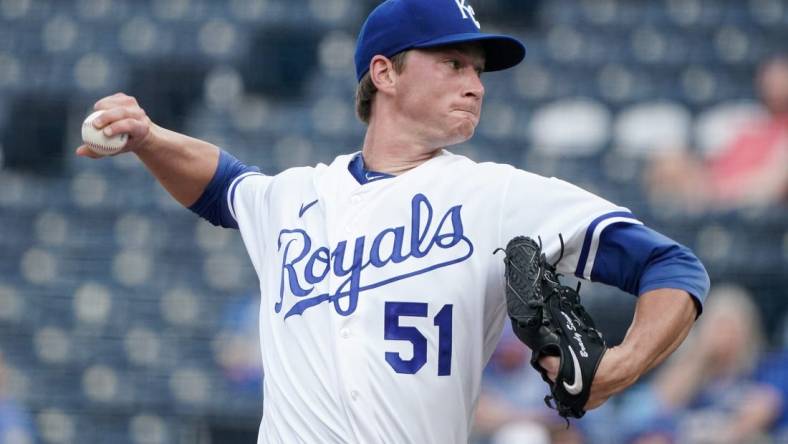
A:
<point x="638" y="259"/>
<point x="213" y="204"/>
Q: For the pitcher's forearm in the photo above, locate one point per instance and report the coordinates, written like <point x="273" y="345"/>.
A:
<point x="183" y="165"/>
<point x="663" y="319"/>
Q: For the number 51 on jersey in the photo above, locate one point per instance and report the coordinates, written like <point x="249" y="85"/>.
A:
<point x="396" y="332"/>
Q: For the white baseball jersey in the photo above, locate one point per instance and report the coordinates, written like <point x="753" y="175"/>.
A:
<point x="382" y="303"/>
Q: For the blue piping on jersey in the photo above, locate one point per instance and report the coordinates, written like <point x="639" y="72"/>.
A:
<point x="589" y="239"/>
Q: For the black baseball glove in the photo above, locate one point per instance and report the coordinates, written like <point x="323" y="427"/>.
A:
<point x="550" y="320"/>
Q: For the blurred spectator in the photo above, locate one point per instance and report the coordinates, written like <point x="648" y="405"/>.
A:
<point x="708" y="394"/>
<point x="752" y="169"/>
<point x="774" y="372"/>
<point x="15" y="424"/>
<point x="511" y="406"/>
<point x="238" y="350"/>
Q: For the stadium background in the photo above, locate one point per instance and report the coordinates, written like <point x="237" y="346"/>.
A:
<point x="125" y="319"/>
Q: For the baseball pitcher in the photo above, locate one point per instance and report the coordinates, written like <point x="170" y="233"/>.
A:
<point x="381" y="298"/>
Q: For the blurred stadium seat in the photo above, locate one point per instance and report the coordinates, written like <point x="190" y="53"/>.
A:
<point x="588" y="132"/>
<point x="645" y="128"/>
<point x="716" y="126"/>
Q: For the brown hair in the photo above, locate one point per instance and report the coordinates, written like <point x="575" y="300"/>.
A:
<point x="366" y="89"/>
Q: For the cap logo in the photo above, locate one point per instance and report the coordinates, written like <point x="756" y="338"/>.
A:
<point x="467" y="12"/>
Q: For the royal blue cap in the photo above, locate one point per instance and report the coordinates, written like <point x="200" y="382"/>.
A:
<point x="397" y="25"/>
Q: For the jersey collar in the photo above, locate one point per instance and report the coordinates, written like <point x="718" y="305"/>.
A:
<point x="362" y="174"/>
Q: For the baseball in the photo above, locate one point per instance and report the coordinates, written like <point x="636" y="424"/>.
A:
<point x="97" y="141"/>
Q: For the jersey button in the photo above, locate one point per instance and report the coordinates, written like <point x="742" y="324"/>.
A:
<point x="355" y="199"/>
<point x="345" y="333"/>
<point x="354" y="394"/>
